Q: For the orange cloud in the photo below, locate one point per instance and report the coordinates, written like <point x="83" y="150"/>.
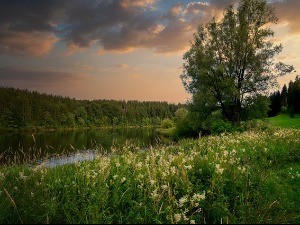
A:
<point x="136" y="3"/>
<point x="288" y="11"/>
<point x="22" y="44"/>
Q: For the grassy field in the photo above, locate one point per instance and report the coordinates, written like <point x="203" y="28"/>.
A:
<point x="251" y="177"/>
<point x="285" y="121"/>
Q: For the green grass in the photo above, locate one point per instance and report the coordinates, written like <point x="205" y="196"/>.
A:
<point x="285" y="121"/>
<point x="251" y="177"/>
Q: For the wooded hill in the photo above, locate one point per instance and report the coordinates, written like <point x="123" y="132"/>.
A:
<point x="26" y="109"/>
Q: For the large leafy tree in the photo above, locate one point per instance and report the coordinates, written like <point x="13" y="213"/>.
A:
<point x="232" y="60"/>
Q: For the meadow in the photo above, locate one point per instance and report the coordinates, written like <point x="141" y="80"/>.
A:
<point x="285" y="121"/>
<point x="249" y="177"/>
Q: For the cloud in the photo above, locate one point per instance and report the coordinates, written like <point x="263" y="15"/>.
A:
<point x="37" y="77"/>
<point x="33" y="27"/>
<point x="221" y="4"/>
<point x="23" y="44"/>
<point x="27" y="27"/>
<point x="288" y="11"/>
<point x="137" y="3"/>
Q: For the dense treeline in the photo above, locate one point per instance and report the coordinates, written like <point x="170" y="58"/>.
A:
<point x="288" y="100"/>
<point x="25" y="109"/>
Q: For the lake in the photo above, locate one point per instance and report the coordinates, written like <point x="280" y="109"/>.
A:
<point x="60" y="147"/>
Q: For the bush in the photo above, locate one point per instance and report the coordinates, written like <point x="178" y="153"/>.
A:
<point x="220" y="126"/>
<point x="167" y="123"/>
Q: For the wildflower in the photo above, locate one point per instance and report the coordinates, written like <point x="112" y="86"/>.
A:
<point x="152" y="182"/>
<point x="199" y="197"/>
<point x="22" y="177"/>
<point x="173" y="170"/>
<point x="164" y="174"/>
<point x="225" y="153"/>
<point x="183" y="200"/>
<point x="192" y="222"/>
<point x="177" y="217"/>
<point x="118" y="165"/>
<point x="154" y="194"/>
<point x="219" y="170"/>
<point x="139" y="165"/>
<point x="123" y="180"/>
<point x="115" y="177"/>
<point x="2" y="176"/>
<point x="163" y="187"/>
<point x="188" y="167"/>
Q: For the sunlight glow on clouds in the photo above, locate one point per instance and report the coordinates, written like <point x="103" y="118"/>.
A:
<point x="123" y="49"/>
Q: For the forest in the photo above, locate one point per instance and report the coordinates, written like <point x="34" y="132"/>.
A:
<point x="286" y="101"/>
<point x="26" y="109"/>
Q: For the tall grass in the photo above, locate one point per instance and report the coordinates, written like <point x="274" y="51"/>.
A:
<point x="253" y="177"/>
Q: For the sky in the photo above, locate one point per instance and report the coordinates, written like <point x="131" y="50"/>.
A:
<point x="115" y="49"/>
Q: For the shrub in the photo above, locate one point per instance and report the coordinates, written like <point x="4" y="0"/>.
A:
<point x="167" y="123"/>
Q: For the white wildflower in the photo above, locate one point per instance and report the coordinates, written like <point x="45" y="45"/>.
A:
<point x="182" y="201"/>
<point x="152" y="182"/>
<point x="225" y="153"/>
<point x="219" y="170"/>
<point x="123" y="179"/>
<point x="188" y="167"/>
<point x="154" y="194"/>
<point x="22" y="177"/>
<point x="163" y="187"/>
<point x="177" y="217"/>
<point x="198" y="197"/>
<point x="2" y="176"/>
<point x="139" y="165"/>
<point x="173" y="170"/>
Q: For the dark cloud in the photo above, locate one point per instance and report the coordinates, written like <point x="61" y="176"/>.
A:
<point x="30" y="15"/>
<point x="221" y="4"/>
<point x="32" y="27"/>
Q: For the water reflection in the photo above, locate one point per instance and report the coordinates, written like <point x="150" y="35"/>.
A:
<point x="86" y="155"/>
<point x="24" y="147"/>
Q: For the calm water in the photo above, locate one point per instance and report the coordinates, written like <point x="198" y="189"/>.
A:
<point x="73" y="145"/>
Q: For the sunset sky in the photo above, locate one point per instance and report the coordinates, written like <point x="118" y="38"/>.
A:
<point x="115" y="49"/>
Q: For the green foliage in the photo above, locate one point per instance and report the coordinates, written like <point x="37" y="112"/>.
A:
<point x="255" y="124"/>
<point x="250" y="177"/>
<point x="229" y="59"/>
<point x="24" y="109"/>
<point x="256" y="108"/>
<point x="180" y="114"/>
<point x="167" y="123"/>
<point x="184" y="128"/>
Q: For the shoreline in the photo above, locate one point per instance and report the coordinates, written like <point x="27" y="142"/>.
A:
<point x="41" y="129"/>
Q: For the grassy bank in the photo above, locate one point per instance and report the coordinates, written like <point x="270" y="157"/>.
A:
<point x="285" y="121"/>
<point x="253" y="177"/>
